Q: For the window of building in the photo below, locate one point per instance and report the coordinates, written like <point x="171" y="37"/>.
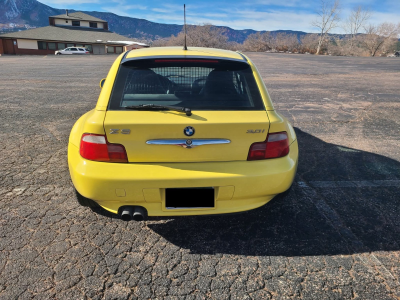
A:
<point x="89" y="48"/>
<point x="52" y="46"/>
<point x="110" y="49"/>
<point x="61" y="46"/>
<point x="79" y="45"/>
<point x="70" y="45"/>
<point x="76" y="23"/>
<point x="93" y="24"/>
<point x="118" y="50"/>
<point x="42" y="45"/>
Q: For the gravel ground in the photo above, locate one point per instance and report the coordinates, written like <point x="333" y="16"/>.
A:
<point x="335" y="235"/>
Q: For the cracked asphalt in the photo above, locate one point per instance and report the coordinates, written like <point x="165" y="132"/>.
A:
<point x="334" y="235"/>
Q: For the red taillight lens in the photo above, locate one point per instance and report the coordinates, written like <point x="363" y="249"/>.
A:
<point x="186" y="60"/>
<point x="276" y="145"/>
<point x="96" y="147"/>
<point x="257" y="151"/>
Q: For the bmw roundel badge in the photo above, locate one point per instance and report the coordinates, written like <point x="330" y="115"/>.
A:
<point x="188" y="131"/>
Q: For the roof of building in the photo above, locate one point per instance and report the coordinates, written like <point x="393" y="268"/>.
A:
<point x="68" y="34"/>
<point x="128" y="43"/>
<point x="80" y="16"/>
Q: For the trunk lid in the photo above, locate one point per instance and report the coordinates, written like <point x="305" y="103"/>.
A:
<point x="241" y="128"/>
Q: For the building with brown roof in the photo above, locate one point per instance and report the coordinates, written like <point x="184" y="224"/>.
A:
<point x="69" y="30"/>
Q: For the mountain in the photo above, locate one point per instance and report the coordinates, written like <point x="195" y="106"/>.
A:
<point x="26" y="14"/>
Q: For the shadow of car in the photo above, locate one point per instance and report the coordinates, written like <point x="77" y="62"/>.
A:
<point x="307" y="220"/>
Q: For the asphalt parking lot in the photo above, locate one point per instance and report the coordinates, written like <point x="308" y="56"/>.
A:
<point x="334" y="235"/>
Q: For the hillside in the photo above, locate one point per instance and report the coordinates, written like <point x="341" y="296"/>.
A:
<point x="25" y="14"/>
<point x="19" y="14"/>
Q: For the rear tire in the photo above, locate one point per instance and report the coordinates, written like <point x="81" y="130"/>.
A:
<point x="83" y="201"/>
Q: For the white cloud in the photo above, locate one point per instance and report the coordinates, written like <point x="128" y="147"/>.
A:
<point x="120" y="11"/>
<point x="135" y="6"/>
<point x="249" y="14"/>
<point x="273" y="20"/>
<point x="287" y="3"/>
<point x="379" y="17"/>
<point x="161" y="10"/>
<point x="69" y="3"/>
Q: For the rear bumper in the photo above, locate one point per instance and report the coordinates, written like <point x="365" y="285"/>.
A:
<point x="239" y="185"/>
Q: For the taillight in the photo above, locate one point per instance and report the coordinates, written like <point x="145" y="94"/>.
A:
<point x="96" y="147"/>
<point x="276" y="145"/>
<point x="186" y="60"/>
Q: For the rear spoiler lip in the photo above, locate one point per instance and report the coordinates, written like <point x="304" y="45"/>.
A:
<point x="124" y="59"/>
<point x="242" y="55"/>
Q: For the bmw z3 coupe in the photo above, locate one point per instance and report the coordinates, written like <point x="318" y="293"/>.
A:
<point x="181" y="132"/>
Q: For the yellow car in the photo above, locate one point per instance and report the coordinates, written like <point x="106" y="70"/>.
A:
<point x="181" y="132"/>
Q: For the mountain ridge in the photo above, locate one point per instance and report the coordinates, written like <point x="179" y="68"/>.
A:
<point x="26" y="14"/>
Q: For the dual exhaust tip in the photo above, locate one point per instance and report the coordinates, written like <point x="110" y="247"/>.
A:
<point x="136" y="213"/>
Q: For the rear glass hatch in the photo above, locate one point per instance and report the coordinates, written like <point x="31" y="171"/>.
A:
<point x="222" y="95"/>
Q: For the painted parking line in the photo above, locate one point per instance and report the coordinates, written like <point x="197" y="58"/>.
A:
<point x="350" y="183"/>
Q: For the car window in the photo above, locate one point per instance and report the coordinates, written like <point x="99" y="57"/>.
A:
<point x="80" y="49"/>
<point x="202" y="84"/>
<point x="73" y="49"/>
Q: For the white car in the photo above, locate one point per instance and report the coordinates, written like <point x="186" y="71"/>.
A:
<point x="73" y="50"/>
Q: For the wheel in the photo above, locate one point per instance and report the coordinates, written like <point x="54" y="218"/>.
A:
<point x="85" y="201"/>
<point x="58" y="53"/>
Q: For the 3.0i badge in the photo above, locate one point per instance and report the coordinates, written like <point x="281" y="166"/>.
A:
<point x="188" y="131"/>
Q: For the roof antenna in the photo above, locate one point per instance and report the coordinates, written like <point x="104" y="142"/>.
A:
<point x="184" y="18"/>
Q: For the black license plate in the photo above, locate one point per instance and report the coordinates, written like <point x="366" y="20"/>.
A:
<point x="189" y="198"/>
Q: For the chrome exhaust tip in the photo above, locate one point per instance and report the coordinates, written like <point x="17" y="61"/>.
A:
<point x="127" y="213"/>
<point x="136" y="213"/>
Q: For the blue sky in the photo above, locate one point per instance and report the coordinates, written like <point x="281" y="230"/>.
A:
<point x="255" y="14"/>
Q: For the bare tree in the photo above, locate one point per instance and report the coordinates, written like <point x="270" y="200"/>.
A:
<point x="205" y="35"/>
<point x="159" y="42"/>
<point x="381" y="38"/>
<point x="356" y="20"/>
<point x="309" y="43"/>
<point x="328" y="18"/>
<point x="235" y="46"/>
<point x="285" y="41"/>
<point x="258" y="42"/>
<point x="264" y="41"/>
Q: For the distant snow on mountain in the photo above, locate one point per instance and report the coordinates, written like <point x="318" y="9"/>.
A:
<point x="25" y="14"/>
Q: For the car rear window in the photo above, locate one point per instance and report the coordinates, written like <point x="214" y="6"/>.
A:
<point x="199" y="84"/>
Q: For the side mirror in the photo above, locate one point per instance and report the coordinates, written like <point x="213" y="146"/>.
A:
<point x="102" y="83"/>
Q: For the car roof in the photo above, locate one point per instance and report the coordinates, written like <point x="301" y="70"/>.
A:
<point x="179" y="52"/>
